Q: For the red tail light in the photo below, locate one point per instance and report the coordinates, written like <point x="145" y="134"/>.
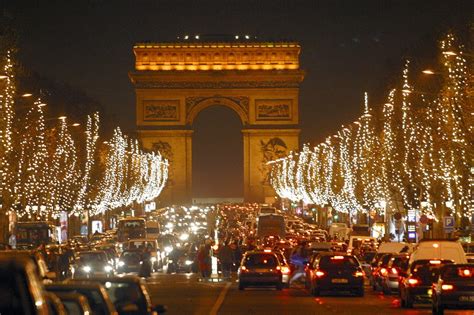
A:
<point x="244" y="269"/>
<point x="413" y="281"/>
<point x="383" y="271"/>
<point x="394" y="271"/>
<point x="319" y="274"/>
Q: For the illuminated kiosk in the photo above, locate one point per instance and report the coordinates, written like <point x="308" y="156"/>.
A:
<point x="260" y="81"/>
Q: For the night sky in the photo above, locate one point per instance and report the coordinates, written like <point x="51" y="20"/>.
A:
<point x="348" y="47"/>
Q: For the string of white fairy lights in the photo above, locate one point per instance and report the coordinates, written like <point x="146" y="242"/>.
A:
<point x="373" y="162"/>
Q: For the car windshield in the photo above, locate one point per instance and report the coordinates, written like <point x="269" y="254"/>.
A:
<point x="401" y="262"/>
<point x="261" y="260"/>
<point x="92" y="257"/>
<point x="458" y="273"/>
<point x="337" y="262"/>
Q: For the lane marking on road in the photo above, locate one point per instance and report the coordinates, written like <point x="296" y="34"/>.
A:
<point x="220" y="299"/>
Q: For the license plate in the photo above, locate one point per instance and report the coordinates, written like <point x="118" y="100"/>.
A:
<point x="466" y="298"/>
<point x="261" y="270"/>
<point x="339" y="281"/>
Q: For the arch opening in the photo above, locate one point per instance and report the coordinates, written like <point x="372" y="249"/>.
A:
<point x="217" y="152"/>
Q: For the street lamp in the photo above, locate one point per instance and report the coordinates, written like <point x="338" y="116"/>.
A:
<point x="26" y="95"/>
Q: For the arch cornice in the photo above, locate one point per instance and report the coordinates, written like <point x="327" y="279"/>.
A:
<point x="196" y="104"/>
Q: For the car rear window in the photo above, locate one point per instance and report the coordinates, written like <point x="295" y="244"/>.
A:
<point x="336" y="262"/>
<point x="458" y="273"/>
<point x="261" y="260"/>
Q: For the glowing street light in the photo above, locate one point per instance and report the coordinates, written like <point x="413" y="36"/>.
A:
<point x="26" y="95"/>
<point x="428" y="71"/>
<point x="62" y="118"/>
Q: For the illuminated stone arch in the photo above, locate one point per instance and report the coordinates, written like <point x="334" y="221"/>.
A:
<point x="257" y="80"/>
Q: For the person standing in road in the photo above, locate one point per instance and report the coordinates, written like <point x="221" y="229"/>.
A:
<point x="204" y="259"/>
<point x="226" y="258"/>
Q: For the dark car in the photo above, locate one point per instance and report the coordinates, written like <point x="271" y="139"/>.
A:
<point x="131" y="260"/>
<point x="95" y="293"/>
<point x="416" y="284"/>
<point x="336" y="272"/>
<point x="21" y="291"/>
<point x="181" y="260"/>
<point x="129" y="294"/>
<point x="454" y="288"/>
<point x="91" y="264"/>
<point x="74" y="303"/>
<point x="260" y="268"/>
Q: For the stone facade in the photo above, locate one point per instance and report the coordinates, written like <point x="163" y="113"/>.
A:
<point x="259" y="81"/>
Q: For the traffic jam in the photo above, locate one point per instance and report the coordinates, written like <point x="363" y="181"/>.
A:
<point x="249" y="246"/>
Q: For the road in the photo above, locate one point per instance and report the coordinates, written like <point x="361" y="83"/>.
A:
<point x="185" y="294"/>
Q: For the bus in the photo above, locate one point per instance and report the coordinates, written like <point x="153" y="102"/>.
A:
<point x="35" y="233"/>
<point x="271" y="224"/>
<point x="131" y="227"/>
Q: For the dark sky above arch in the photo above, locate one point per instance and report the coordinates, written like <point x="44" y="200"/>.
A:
<point x="348" y="47"/>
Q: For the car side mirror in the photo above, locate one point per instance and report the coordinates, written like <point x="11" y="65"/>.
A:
<point x="160" y="309"/>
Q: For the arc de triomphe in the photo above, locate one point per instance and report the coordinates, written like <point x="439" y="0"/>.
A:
<point x="260" y="81"/>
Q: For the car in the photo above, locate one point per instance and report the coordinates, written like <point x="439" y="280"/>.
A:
<point x="130" y="261"/>
<point x="92" y="263"/>
<point x="260" y="268"/>
<point x="285" y="268"/>
<point x="155" y="252"/>
<point x="130" y="293"/>
<point x="37" y="258"/>
<point x="20" y="287"/>
<point x="454" y="288"/>
<point x="96" y="295"/>
<point x="336" y="272"/>
<point x="182" y="260"/>
<point x="380" y="272"/>
<point x="397" y="265"/>
<point x="416" y="285"/>
<point x="74" y="303"/>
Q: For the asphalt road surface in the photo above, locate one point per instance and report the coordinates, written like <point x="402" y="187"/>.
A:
<point x="186" y="294"/>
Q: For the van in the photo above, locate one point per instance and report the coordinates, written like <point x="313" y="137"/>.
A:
<point x="368" y="243"/>
<point x="394" y="247"/>
<point x="439" y="249"/>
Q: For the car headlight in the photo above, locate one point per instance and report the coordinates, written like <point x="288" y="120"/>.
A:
<point x="87" y="268"/>
<point x="188" y="262"/>
<point x="168" y="249"/>
<point x="108" y="268"/>
<point x="121" y="263"/>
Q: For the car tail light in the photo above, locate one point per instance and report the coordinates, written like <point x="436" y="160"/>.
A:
<point x="319" y="274"/>
<point x="394" y="271"/>
<point x="383" y="271"/>
<point x="337" y="257"/>
<point x="244" y="269"/>
<point x="447" y="287"/>
<point x="413" y="281"/>
<point x="285" y="270"/>
<point x="359" y="274"/>
<point x="267" y="250"/>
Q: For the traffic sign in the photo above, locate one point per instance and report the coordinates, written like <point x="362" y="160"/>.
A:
<point x="448" y="223"/>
